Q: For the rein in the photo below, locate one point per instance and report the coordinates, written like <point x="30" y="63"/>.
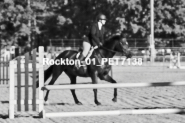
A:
<point x="110" y="50"/>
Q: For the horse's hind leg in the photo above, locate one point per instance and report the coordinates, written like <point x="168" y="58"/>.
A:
<point x="110" y="79"/>
<point x="56" y="73"/>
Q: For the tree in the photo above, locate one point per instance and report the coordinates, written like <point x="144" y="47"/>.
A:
<point x="169" y="21"/>
<point x="73" y="18"/>
<point x="123" y="15"/>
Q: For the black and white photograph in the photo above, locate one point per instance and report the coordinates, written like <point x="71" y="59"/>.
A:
<point x="92" y="61"/>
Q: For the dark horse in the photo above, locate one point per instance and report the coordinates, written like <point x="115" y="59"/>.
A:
<point x="108" y="50"/>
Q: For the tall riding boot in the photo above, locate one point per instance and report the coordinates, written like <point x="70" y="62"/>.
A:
<point x="81" y="58"/>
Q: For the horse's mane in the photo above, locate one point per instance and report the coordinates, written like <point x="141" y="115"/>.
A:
<point x="113" y="38"/>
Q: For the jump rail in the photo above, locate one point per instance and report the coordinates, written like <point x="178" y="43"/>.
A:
<point x="116" y="112"/>
<point x="118" y="85"/>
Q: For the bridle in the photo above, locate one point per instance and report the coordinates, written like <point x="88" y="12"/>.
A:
<point x="112" y="50"/>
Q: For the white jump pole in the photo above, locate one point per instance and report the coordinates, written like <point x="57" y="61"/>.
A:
<point x="116" y="112"/>
<point x="179" y="62"/>
<point x="171" y="59"/>
<point x="41" y="81"/>
<point x="152" y="42"/>
<point x="118" y="85"/>
<point x="11" y="90"/>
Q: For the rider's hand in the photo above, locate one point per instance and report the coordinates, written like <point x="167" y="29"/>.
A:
<point x="95" y="47"/>
<point x="100" y="44"/>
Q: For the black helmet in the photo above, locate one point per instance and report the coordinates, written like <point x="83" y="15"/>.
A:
<point x="101" y="17"/>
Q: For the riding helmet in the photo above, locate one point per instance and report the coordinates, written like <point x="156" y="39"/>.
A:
<point x="101" y="17"/>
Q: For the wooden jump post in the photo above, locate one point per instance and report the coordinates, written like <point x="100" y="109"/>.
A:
<point x="4" y="71"/>
<point x="4" y="65"/>
<point x="19" y="67"/>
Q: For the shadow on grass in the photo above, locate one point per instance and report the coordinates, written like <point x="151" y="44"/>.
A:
<point x="4" y="102"/>
<point x="4" y="116"/>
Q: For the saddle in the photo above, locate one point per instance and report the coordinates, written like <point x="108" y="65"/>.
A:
<point x="89" y="53"/>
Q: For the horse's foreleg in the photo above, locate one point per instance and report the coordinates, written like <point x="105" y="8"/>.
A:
<point x="95" y="97"/>
<point x="95" y="81"/>
<point x="110" y="79"/>
<point x="55" y="74"/>
<point x="50" y="83"/>
<point x="73" y="81"/>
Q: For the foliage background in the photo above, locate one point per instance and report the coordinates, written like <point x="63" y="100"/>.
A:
<point x="69" y="19"/>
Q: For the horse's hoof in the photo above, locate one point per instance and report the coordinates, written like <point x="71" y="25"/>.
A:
<point x="78" y="103"/>
<point x="46" y="102"/>
<point x="98" y="103"/>
<point x="114" y="99"/>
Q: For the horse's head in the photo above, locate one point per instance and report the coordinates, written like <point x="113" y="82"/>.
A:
<point x="121" y="45"/>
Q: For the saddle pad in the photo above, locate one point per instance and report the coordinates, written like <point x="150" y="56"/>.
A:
<point x="88" y="55"/>
<point x="78" y="54"/>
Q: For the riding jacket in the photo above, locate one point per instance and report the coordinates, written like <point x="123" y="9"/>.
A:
<point x="95" y="36"/>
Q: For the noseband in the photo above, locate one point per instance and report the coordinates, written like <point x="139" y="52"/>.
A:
<point x="110" y="50"/>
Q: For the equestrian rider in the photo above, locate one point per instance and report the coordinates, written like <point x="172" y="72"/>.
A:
<point x="95" y="36"/>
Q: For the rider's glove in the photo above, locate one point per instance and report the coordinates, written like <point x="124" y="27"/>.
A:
<point x="100" y="44"/>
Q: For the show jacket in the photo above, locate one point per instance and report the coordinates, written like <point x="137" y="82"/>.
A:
<point x="95" y="36"/>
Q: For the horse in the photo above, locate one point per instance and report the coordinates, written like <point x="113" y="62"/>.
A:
<point x="108" y="50"/>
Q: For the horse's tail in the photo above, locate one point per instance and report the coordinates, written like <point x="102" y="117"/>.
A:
<point x="47" y="74"/>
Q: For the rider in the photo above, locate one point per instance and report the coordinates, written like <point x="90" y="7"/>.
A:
<point x="95" y="36"/>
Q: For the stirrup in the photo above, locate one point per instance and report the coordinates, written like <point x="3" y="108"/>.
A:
<point x="79" y="64"/>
